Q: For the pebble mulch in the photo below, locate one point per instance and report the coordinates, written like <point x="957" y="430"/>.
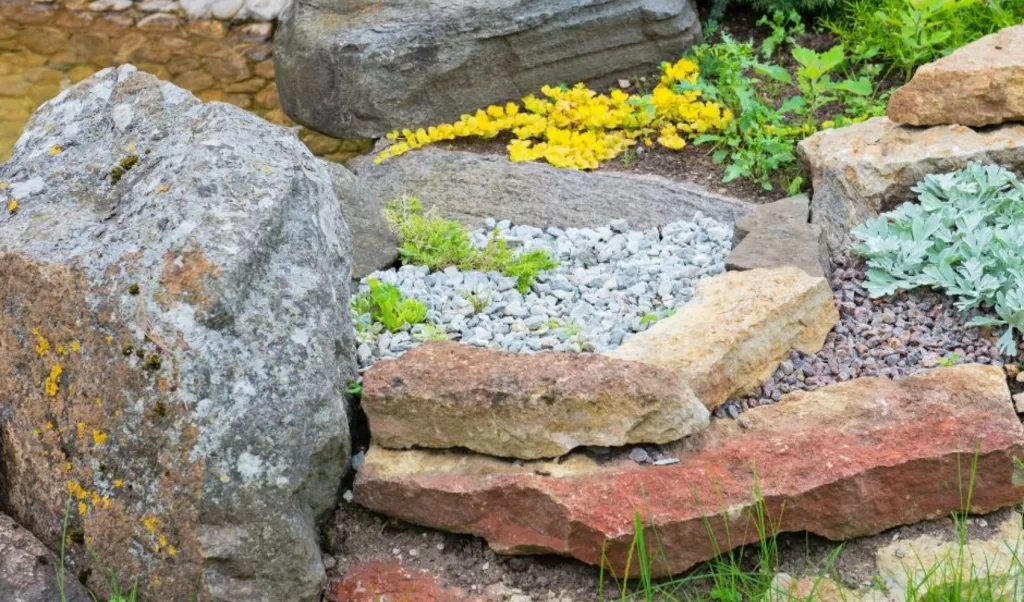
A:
<point x="611" y="282"/>
<point x="893" y="337"/>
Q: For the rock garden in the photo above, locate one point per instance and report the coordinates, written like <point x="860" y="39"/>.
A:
<point x="618" y="301"/>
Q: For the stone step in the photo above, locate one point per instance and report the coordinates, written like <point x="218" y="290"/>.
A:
<point x="851" y="459"/>
<point x="737" y="329"/>
<point x="447" y="394"/>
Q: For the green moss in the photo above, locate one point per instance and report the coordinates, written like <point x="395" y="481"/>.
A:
<point x="127" y="350"/>
<point x="122" y="167"/>
<point x="133" y="289"/>
<point x="152" y="363"/>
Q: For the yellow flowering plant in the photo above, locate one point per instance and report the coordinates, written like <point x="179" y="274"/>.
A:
<point x="578" y="128"/>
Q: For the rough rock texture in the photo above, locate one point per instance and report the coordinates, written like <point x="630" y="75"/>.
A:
<point x="736" y="329"/>
<point x="28" y="571"/>
<point x="383" y="580"/>
<point x="851" y="459"/>
<point x="786" y="588"/>
<point x="374" y="245"/>
<point x="471" y="187"/>
<point x="778" y="234"/>
<point x="865" y="169"/>
<point x="444" y="395"/>
<point x="175" y="342"/>
<point x="362" y="68"/>
<point x="927" y="564"/>
<point x="979" y="84"/>
<point x="794" y="209"/>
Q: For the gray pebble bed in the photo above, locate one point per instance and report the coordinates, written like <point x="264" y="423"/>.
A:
<point x="611" y="282"/>
<point x="893" y="337"/>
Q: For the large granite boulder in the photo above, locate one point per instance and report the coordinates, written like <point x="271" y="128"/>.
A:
<point x="865" y="169"/>
<point x="850" y="459"/>
<point x="471" y="187"/>
<point x="736" y="330"/>
<point x="444" y="395"/>
<point x="29" y="571"/>
<point x="363" y="67"/>
<point x="175" y="341"/>
<point x="979" y="84"/>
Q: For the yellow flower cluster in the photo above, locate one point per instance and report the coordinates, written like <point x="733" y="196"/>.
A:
<point x="578" y="128"/>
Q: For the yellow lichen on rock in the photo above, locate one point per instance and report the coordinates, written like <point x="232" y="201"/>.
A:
<point x="578" y="128"/>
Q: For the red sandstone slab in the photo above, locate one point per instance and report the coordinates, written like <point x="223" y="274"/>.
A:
<point x="843" y="461"/>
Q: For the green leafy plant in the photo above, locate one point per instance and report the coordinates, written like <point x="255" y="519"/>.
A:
<point x="428" y="239"/>
<point x="965" y="237"/>
<point x="431" y="332"/>
<point x="384" y="303"/>
<point x="950" y="360"/>
<point x="479" y="301"/>
<point x="756" y="142"/>
<point x="909" y="33"/>
<point x="786" y="25"/>
<point x="814" y="78"/>
<point x="759" y="143"/>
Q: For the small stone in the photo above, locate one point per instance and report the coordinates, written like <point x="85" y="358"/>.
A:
<point x="1018" y="403"/>
<point x="638" y="455"/>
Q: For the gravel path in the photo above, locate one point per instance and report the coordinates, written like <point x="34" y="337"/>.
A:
<point x="610" y="282"/>
<point x="893" y="337"/>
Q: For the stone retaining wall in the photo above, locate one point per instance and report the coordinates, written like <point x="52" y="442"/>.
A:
<point x="45" y="48"/>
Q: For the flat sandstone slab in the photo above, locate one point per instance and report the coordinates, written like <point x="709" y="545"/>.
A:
<point x="444" y="395"/>
<point x="737" y="328"/>
<point x="847" y="460"/>
<point x="979" y="84"/>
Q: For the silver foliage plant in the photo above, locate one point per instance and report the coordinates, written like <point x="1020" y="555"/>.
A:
<point x="965" y="237"/>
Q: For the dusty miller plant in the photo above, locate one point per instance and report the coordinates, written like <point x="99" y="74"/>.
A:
<point x="965" y="238"/>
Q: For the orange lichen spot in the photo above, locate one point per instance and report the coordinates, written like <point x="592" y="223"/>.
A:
<point x="12" y="207"/>
<point x="106" y="501"/>
<point x="151" y="523"/>
<point x="162" y="189"/>
<point x="76" y="346"/>
<point x="99" y="437"/>
<point x="55" y="150"/>
<point x="38" y="434"/>
<point x="42" y="345"/>
<point x="110" y="339"/>
<point x="82" y="508"/>
<point x="81" y="429"/>
<point x="67" y="465"/>
<point x="48" y="425"/>
<point x="52" y="384"/>
<point x="99" y="402"/>
<point x="95" y="499"/>
<point x="62" y="350"/>
<point x="118" y="483"/>
<point x="172" y="551"/>
<point x="184" y="276"/>
<point x="162" y="540"/>
<point x="4" y="185"/>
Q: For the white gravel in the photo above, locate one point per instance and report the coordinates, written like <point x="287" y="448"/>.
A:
<point x="610" y="282"/>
